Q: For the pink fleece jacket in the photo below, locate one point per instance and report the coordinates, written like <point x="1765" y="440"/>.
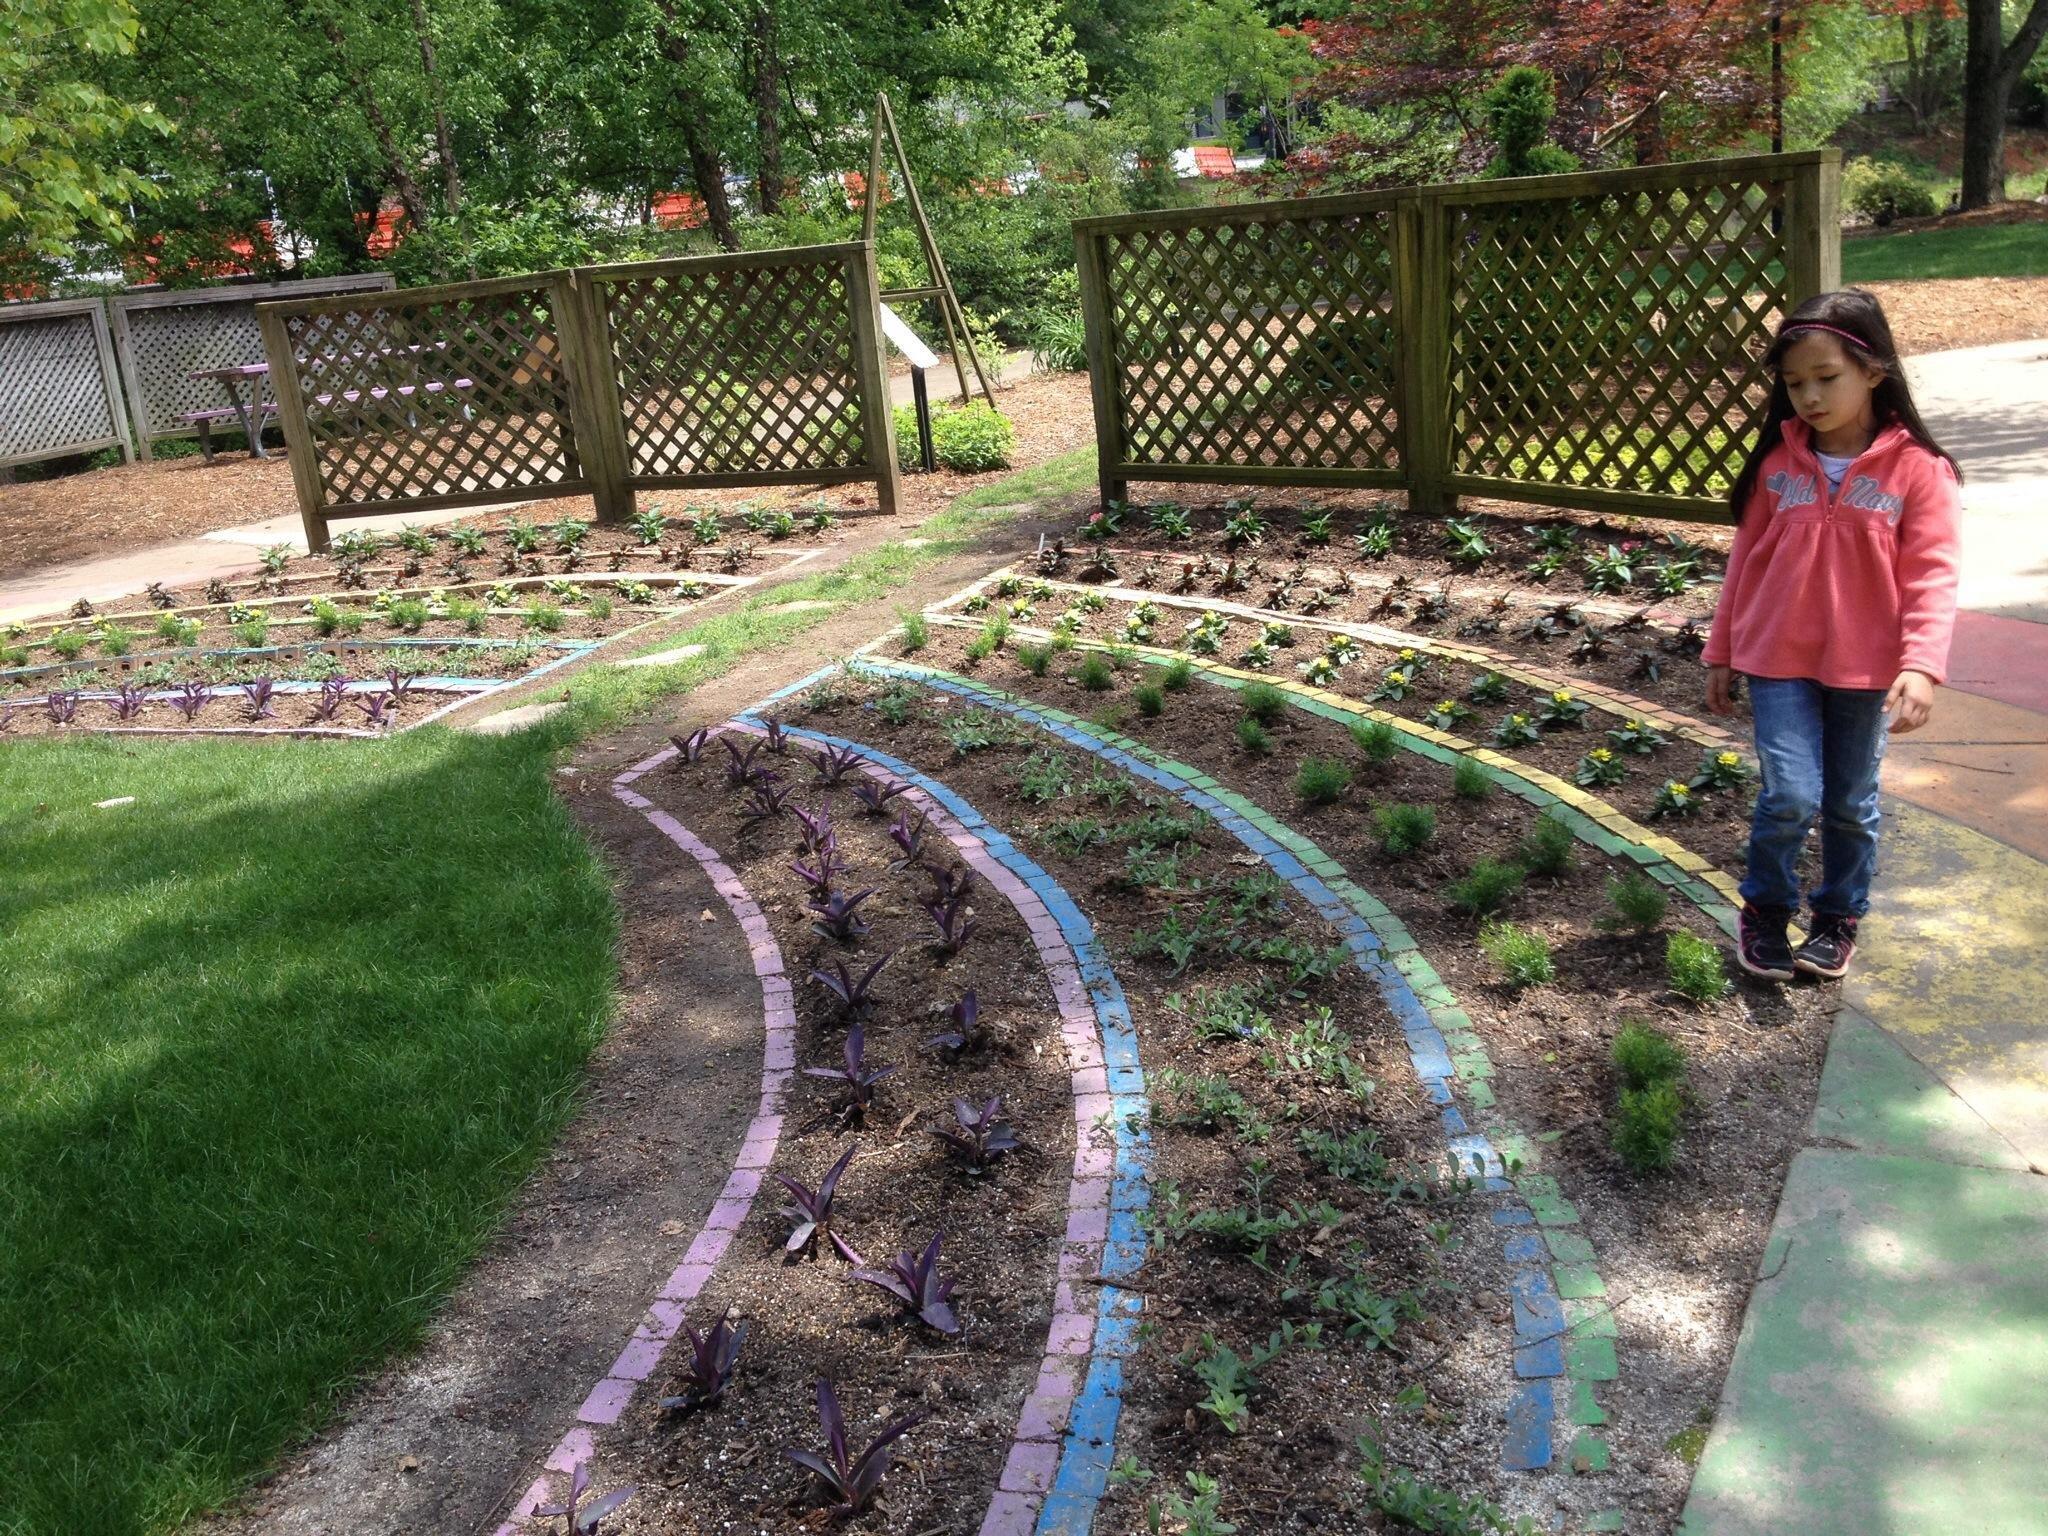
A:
<point x="1849" y="589"/>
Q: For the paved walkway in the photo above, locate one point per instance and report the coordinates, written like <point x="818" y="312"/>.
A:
<point x="1892" y="1374"/>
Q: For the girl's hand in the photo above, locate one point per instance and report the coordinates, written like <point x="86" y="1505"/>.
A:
<point x="1720" y="684"/>
<point x="1910" y="702"/>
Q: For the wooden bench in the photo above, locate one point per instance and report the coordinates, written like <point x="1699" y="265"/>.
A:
<point x="204" y="421"/>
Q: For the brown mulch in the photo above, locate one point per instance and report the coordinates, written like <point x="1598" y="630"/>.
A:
<point x="1942" y="314"/>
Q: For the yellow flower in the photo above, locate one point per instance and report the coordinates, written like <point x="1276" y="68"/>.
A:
<point x="1601" y="754"/>
<point x="1632" y="725"/>
<point x="1444" y="706"/>
<point x="1676" y="790"/>
<point x="1562" y="696"/>
<point x="1729" y="759"/>
<point x="1519" y="719"/>
<point x="1407" y="655"/>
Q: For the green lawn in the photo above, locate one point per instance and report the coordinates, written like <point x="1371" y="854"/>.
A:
<point x="278" y="1042"/>
<point x="1982" y="250"/>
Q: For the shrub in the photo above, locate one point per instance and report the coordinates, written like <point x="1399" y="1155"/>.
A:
<point x="1253" y="738"/>
<point x="1059" y="342"/>
<point x="1470" y="780"/>
<point x="1882" y="192"/>
<point x="1263" y="702"/>
<point x="1693" y="967"/>
<point x="408" y="614"/>
<point x="1486" y="889"/>
<point x="1646" y="1125"/>
<point x="1376" y="739"/>
<point x="1404" y="828"/>
<point x="1094" y="673"/>
<point x="253" y="634"/>
<point x="1035" y="658"/>
<point x="1522" y="955"/>
<point x="545" y="617"/>
<point x="1151" y="700"/>
<point x="1646" y="1057"/>
<point x="1639" y="901"/>
<point x="1547" y="850"/>
<point x="916" y="633"/>
<point x="1321" y="780"/>
<point x="1177" y="675"/>
<point x="973" y="438"/>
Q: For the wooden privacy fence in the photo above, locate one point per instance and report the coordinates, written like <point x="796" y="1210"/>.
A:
<point x="59" y="392"/>
<point x="1593" y="339"/>
<point x="759" y="368"/>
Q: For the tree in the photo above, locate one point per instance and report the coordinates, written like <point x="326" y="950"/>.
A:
<point x="1992" y="66"/>
<point x="1518" y="114"/>
<point x="61" y="183"/>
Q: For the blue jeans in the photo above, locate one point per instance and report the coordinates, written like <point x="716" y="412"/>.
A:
<point x="1819" y="749"/>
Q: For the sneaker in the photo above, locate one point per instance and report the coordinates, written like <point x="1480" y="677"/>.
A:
<point x="1829" y="947"/>
<point x="1761" y="942"/>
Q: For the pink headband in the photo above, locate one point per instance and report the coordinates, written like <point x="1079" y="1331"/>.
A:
<point x="1815" y="325"/>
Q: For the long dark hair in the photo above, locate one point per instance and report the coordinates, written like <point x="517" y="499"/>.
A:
<point x="1856" y="319"/>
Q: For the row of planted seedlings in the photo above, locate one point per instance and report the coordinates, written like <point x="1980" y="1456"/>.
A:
<point x="1649" y="773"/>
<point x="1625" y="1062"/>
<point x="1348" y="558"/>
<point x="337" y="703"/>
<point x="898" y="1301"/>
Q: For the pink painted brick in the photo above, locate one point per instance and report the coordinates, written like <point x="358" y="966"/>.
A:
<point x="709" y="1247"/>
<point x="664" y="1319"/>
<point x="1058" y="1376"/>
<point x="577" y="1445"/>
<point x="774" y="1084"/>
<point x="1091" y="1104"/>
<point x="1084" y="1053"/>
<point x="1093" y="1162"/>
<point x="1044" y="1418"/>
<point x="1071" y="1333"/>
<point x="741" y="1184"/>
<point x="606" y="1402"/>
<point x="1091" y="1083"/>
<point x="1083" y="1193"/>
<point x="687" y="1280"/>
<point x="1010" y="1514"/>
<point x="779" y="1054"/>
<point x="1079" y="1259"/>
<point x="1030" y="1467"/>
<point x="1088" y="1226"/>
<point x="728" y="1215"/>
<point x="638" y="1359"/>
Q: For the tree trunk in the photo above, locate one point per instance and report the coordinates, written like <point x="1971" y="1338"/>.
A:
<point x="767" y="109"/>
<point x="1991" y="67"/>
<point x="706" y="169"/>
<point x="444" y="141"/>
<point x="410" y="196"/>
<point x="1649" y="136"/>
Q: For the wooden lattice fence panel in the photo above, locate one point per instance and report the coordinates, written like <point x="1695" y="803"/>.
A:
<point x="739" y="371"/>
<point x="58" y="390"/>
<point x="1260" y="338"/>
<point x="163" y="337"/>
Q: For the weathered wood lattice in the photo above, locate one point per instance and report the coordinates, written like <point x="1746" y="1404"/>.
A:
<point x="1594" y="339"/>
<point x="757" y="368"/>
<point x="59" y="392"/>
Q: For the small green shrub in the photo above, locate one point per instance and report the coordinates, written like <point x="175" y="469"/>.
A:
<point x="1693" y="967"/>
<point x="972" y="438"/>
<point x="1547" y="850"/>
<point x="1404" y="828"/>
<point x="408" y="614"/>
<point x="1882" y="192"/>
<point x="1095" y="673"/>
<point x="1321" y="780"/>
<point x="1177" y="675"/>
<point x="1523" y="956"/>
<point x="1035" y="659"/>
<point x="1253" y="738"/>
<point x="1470" y="780"/>
<point x="253" y="634"/>
<point x="1151" y="700"/>
<point x="1639" y="901"/>
<point x="70" y="643"/>
<point x="1486" y="889"/>
<point x="115" y="641"/>
<point x="545" y="617"/>
<point x="1377" y="739"/>
<point x="1646" y="1057"/>
<point x="916" y="633"/>
<point x="181" y="631"/>
<point x="1263" y="702"/>
<point x="1646" y="1125"/>
<point x="599" y="607"/>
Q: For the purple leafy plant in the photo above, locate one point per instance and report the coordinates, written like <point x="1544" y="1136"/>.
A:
<point x="856" y="1076"/>
<point x="984" y="1134"/>
<point x="813" y="828"/>
<point x="811" y="1213"/>
<point x="6" y="717"/>
<point x="376" y="708"/>
<point x="967" y="1033"/>
<point x="190" y="699"/>
<point x="766" y="801"/>
<point x="948" y="884"/>
<point x="327" y="707"/>
<point x="776" y="734"/>
<point x="819" y="874"/>
<point x="692" y="746"/>
<point x="856" y="994"/>
<point x="874" y="797"/>
<point x="128" y="701"/>
<point x="914" y="1280"/>
<point x="834" y="763"/>
<point x="713" y="1355"/>
<point x="853" y="1481"/>
<point x="740" y="763"/>
<point x="256" y="694"/>
<point x="951" y="918"/>
<point x="907" y="837"/>
<point x="582" y="1519"/>
<point x="62" y="706"/>
<point x="837" y="916"/>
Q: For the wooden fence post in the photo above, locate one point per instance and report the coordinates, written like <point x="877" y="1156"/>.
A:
<point x="1422" y="310"/>
<point x="1813" y="227"/>
<point x="877" y="405"/>
<point x="597" y="416"/>
<point x="299" y="447"/>
<point x="1102" y="380"/>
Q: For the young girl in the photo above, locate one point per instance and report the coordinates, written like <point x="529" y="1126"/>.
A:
<point x="1838" y="605"/>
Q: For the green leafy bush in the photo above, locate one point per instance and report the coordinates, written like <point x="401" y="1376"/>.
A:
<point x="1035" y="658"/>
<point x="1646" y="1125"/>
<point x="1645" y="1057"/>
<point x="973" y="438"/>
<point x="1639" y="901"/>
<point x="1263" y="702"/>
<point x="1321" y="780"/>
<point x="1693" y="967"/>
<point x="1253" y="738"/>
<point x="1404" y="828"/>
<point x="1470" y="780"/>
<point x="1059" y="341"/>
<point x="1177" y="675"/>
<point x="1151" y="700"/>
<point x="1377" y="739"/>
<point x="1094" y="673"/>
<point x="1486" y="889"/>
<point x="1882" y="191"/>
<point x="1547" y="850"/>
<point x="1524" y="956"/>
<point x="916" y="633"/>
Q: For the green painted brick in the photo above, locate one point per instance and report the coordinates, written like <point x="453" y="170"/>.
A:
<point x="1516" y="1150"/>
<point x="1472" y="1064"/>
<point x="1575" y="1282"/>
<point x="1607" y="1520"/>
<point x="1586" y="1407"/>
<point x="1448" y="1019"/>
<point x="1667" y="874"/>
<point x="1569" y="1248"/>
<point x="1463" y="1040"/>
<point x="1480" y="1094"/>
<point x="1589" y="1454"/>
<point x="1606" y="842"/>
<point x="1555" y="1213"/>
<point x="1538" y="1186"/>
<point x="1590" y="1360"/>
<point x="1589" y="1318"/>
<point x="1397" y="941"/>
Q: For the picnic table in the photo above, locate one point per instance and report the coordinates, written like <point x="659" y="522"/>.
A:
<point x="252" y="411"/>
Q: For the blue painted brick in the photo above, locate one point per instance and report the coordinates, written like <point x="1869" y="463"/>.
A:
<point x="1454" y="1121"/>
<point x="1525" y="1248"/>
<point x="1513" y="1216"/>
<point x="1538" y="1312"/>
<point x="1433" y="1084"/>
<point x="1531" y="1412"/>
<point x="1541" y="1359"/>
<point x="1066" y="1514"/>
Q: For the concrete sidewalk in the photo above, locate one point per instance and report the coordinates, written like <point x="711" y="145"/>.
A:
<point x="1891" y="1376"/>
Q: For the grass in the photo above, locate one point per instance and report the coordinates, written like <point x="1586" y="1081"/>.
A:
<point x="1968" y="250"/>
<point x="281" y="1045"/>
<point x="1522" y="954"/>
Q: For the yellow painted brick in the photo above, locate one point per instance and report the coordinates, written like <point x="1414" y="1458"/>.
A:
<point x="1689" y="861"/>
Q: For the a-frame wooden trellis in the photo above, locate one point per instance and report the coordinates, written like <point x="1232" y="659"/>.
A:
<point x="941" y="285"/>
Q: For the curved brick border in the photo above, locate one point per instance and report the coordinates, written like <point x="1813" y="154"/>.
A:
<point x="1563" y="1329"/>
<point x="1064" y="1441"/>
<point x="664" y="1316"/>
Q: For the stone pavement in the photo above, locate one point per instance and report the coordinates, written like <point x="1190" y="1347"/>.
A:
<point x="1892" y="1371"/>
